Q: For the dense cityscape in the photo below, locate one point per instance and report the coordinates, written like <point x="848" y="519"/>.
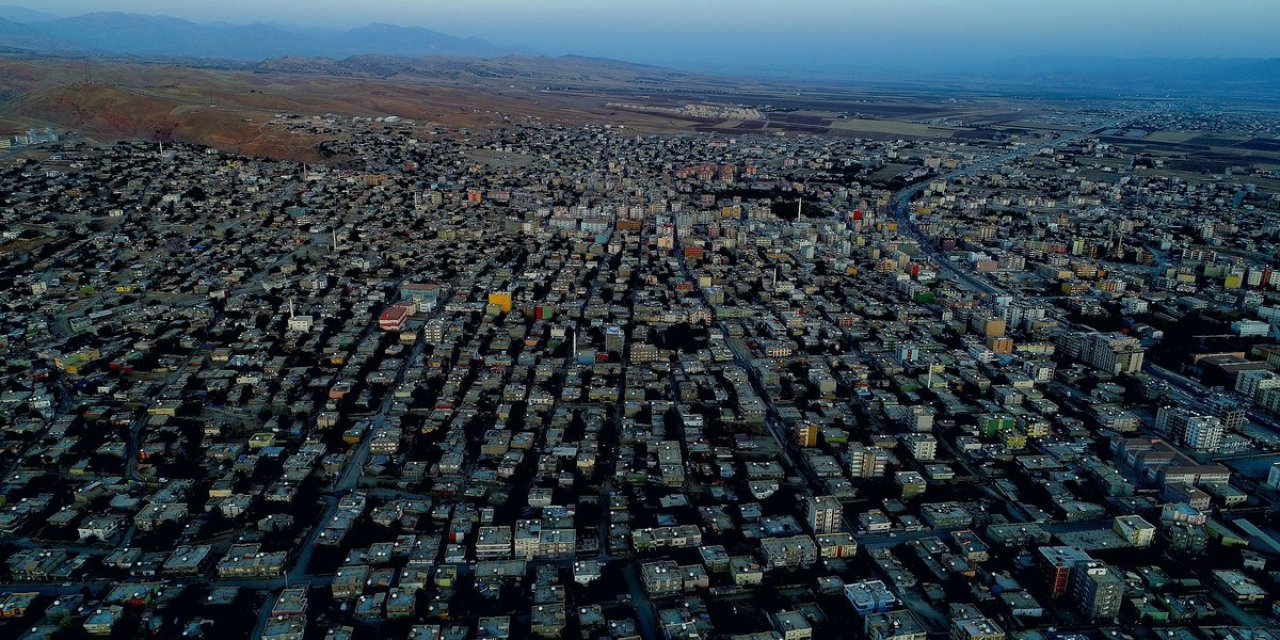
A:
<point x="583" y="382"/>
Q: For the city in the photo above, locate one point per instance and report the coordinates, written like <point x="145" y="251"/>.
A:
<point x="1006" y="368"/>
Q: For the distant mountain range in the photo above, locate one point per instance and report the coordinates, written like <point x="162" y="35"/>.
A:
<point x="382" y="50"/>
<point x="162" y="36"/>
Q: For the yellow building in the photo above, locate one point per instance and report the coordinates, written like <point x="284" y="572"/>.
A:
<point x="502" y="300"/>
<point x="1014" y="439"/>
<point x="73" y="364"/>
<point x="1000" y="345"/>
<point x="995" y="327"/>
<point x="807" y="435"/>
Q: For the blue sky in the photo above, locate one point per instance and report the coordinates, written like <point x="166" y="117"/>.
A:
<point x="781" y="34"/>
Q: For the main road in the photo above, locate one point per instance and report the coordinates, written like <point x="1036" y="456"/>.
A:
<point x="901" y="202"/>
<point x="348" y="478"/>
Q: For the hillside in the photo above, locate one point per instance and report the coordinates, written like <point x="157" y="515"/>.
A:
<point x="230" y="108"/>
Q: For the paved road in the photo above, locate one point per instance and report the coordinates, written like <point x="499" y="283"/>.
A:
<point x="348" y="480"/>
<point x="893" y="539"/>
<point x="901" y="202"/>
<point x="349" y="477"/>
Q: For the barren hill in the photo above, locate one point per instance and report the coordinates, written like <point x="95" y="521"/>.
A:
<point x="229" y="106"/>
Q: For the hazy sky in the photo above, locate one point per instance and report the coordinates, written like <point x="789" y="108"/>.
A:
<point x="781" y="33"/>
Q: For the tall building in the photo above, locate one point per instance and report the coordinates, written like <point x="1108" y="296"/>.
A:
<point x="867" y="462"/>
<point x="922" y="446"/>
<point x="1187" y="427"/>
<point x="807" y="435"/>
<point x="1097" y="590"/>
<point x="1115" y="353"/>
<point x="1250" y="383"/>
<point x="1185" y="537"/>
<point x="1203" y="434"/>
<point x="1109" y="352"/>
<point x="1056" y="564"/>
<point x="823" y="513"/>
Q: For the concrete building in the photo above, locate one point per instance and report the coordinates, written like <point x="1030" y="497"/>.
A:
<point x="894" y="625"/>
<point x="1111" y="353"/>
<point x="824" y="514"/>
<point x="1097" y="590"/>
<point x="869" y="596"/>
<point x="867" y="462"/>
<point x="792" y="625"/>
<point x="1056" y="564"/>
<point x="922" y="446"/>
<point x="1135" y="530"/>
<point x="791" y="552"/>
<point x="662" y="578"/>
<point x="976" y="629"/>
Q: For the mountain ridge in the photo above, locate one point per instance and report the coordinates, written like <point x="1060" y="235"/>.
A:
<point x="122" y="33"/>
<point x="291" y="47"/>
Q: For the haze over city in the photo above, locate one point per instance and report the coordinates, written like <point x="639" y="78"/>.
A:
<point x="935" y="35"/>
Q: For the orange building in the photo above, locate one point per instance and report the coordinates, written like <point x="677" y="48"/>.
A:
<point x="502" y="300"/>
<point x="1000" y="345"/>
<point x="807" y="435"/>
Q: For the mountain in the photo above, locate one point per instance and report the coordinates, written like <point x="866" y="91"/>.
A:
<point x="17" y="35"/>
<point x="392" y="40"/>
<point x="162" y="36"/>
<point x="25" y="15"/>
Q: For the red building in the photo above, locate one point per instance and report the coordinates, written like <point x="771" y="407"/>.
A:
<point x="1056" y="564"/>
<point x="394" y="318"/>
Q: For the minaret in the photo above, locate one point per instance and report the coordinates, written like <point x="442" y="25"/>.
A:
<point x="573" y="357"/>
<point x="290" y="308"/>
<point x="799" y="205"/>
<point x="335" y="240"/>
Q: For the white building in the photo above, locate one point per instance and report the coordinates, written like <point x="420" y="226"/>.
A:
<point x="1250" y="328"/>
